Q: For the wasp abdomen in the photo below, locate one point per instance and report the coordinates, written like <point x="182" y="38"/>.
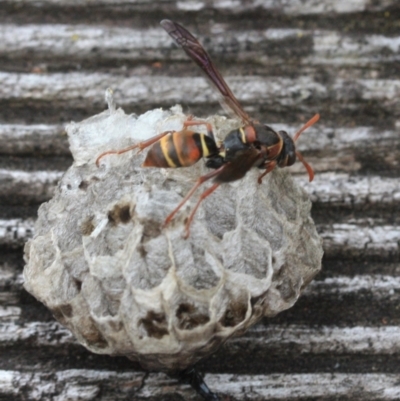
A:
<point x="180" y="149"/>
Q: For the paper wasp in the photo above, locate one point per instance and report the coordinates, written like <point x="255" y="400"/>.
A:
<point x="251" y="145"/>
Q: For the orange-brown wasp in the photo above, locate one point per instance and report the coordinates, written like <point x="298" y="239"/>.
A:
<point x="251" y="145"/>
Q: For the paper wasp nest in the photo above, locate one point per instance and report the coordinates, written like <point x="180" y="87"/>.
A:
<point x="103" y="264"/>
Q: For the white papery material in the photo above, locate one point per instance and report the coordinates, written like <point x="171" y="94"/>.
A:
<point x="101" y="261"/>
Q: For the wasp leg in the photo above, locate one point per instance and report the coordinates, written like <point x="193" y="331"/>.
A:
<point x="204" y="195"/>
<point x="192" y="377"/>
<point x="309" y="169"/>
<point x="189" y="122"/>
<point x="140" y="145"/>
<point x="200" y="181"/>
<point x="270" y="166"/>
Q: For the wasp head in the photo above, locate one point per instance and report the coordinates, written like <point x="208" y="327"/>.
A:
<point x="288" y="153"/>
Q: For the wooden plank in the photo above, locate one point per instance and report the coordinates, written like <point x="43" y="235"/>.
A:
<point x="341" y="239"/>
<point x="46" y="139"/>
<point x="36" y="334"/>
<point x="365" y="238"/>
<point x="336" y="189"/>
<point x="99" y="385"/>
<point x="286" y="61"/>
<point x="42" y="139"/>
<point x="294" y="7"/>
<point x="271" y="339"/>
<point x="369" y="239"/>
<point x="319" y="48"/>
<point x="342" y="293"/>
<point x="329" y="189"/>
<point x="84" y="89"/>
<point x="381" y="286"/>
<point x="33" y="187"/>
<point x="69" y="385"/>
<point x="328" y="141"/>
<point x="347" y="190"/>
<point x="10" y="283"/>
<point x="15" y="232"/>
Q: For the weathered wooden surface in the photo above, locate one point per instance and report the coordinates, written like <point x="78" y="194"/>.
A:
<point x="285" y="60"/>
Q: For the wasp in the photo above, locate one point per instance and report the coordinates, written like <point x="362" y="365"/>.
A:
<point x="251" y="145"/>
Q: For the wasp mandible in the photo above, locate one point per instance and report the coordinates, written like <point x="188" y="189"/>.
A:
<point x="251" y="145"/>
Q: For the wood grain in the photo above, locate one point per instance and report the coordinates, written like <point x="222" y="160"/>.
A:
<point x="285" y="61"/>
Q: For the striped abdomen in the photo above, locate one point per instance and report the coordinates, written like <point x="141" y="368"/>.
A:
<point x="180" y="149"/>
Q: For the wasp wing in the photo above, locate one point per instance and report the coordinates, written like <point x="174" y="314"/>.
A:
<point x="237" y="168"/>
<point x="197" y="53"/>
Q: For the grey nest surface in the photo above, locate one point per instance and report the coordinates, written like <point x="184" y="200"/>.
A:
<point x="103" y="263"/>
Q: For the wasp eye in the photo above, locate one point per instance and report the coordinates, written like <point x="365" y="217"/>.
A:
<point x="291" y="158"/>
<point x="288" y="153"/>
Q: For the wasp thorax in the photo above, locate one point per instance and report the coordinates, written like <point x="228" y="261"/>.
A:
<point x="103" y="262"/>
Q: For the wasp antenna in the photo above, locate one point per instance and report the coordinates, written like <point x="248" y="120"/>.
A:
<point x="309" y="169"/>
<point x="308" y="124"/>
